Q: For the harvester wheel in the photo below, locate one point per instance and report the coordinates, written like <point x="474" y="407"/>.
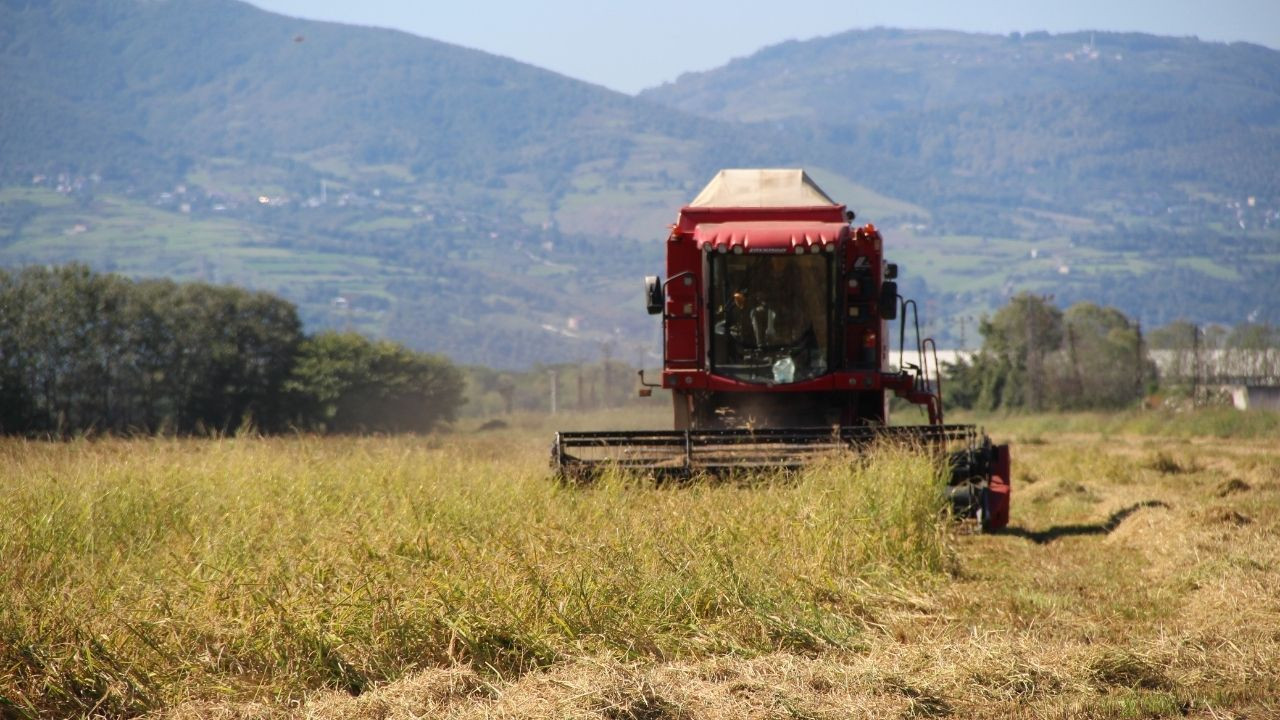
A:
<point x="993" y="511"/>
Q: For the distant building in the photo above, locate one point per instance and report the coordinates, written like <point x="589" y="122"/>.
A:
<point x="1256" y="397"/>
<point x="1250" y="377"/>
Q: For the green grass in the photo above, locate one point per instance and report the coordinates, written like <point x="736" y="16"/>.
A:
<point x="1215" y="422"/>
<point x="130" y="237"/>
<point x="450" y="576"/>
<point x="384" y="224"/>
<point x="141" y="573"/>
<point x="1211" y="268"/>
<point x="44" y="197"/>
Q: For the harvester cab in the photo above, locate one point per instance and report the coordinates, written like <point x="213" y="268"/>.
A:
<point x="775" y="316"/>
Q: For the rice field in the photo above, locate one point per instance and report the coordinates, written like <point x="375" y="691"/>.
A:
<point x="450" y="576"/>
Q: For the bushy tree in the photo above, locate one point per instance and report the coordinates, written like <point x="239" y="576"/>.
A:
<point x="1183" y="341"/>
<point x="81" y="351"/>
<point x="1103" y="362"/>
<point x="85" y="351"/>
<point x="1036" y="357"/>
<point x="344" y="382"/>
<point x="234" y="352"/>
<point x="1016" y="341"/>
<point x="1253" y="336"/>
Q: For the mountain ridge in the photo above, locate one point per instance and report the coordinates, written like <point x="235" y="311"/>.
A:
<point x="472" y="204"/>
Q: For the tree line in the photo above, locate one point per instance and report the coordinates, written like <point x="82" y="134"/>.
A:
<point x="88" y="352"/>
<point x="1036" y="356"/>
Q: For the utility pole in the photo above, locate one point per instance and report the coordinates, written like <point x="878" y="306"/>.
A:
<point x="606" y="354"/>
<point x="1077" y="375"/>
<point x="581" y="398"/>
<point x="554" y="383"/>
<point x="1195" y="365"/>
<point x="1032" y="360"/>
<point x="1137" y="360"/>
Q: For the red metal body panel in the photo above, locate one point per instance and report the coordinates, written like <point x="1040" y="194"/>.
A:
<point x="684" y="335"/>
<point x="769" y="236"/>
<point x="835" y="381"/>
<point x="998" y="490"/>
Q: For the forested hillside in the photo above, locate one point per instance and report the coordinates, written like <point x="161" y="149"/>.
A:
<point x="1129" y="169"/>
<point x="1062" y="121"/>
<point x="473" y="205"/>
<point x="451" y="198"/>
<point x="98" y="86"/>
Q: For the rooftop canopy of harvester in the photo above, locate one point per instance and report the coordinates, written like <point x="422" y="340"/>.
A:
<point x="762" y="188"/>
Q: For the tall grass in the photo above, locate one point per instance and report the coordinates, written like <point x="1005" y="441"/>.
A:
<point x="1217" y="422"/>
<point x="139" y="573"/>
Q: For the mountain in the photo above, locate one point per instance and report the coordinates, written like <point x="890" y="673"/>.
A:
<point x="1055" y="118"/>
<point x="474" y="205"/>
<point x="459" y="200"/>
<point x="217" y="78"/>
<point x="1138" y="170"/>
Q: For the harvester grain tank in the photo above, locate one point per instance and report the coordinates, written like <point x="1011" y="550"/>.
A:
<point x="775" y="316"/>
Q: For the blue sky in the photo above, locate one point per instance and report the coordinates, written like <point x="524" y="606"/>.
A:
<point x="631" y="46"/>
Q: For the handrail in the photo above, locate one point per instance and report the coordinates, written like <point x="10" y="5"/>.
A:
<point x="937" y="369"/>
<point x="902" y="334"/>
<point x="697" y="298"/>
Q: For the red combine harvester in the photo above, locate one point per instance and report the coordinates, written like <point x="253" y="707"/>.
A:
<point x="775" y="315"/>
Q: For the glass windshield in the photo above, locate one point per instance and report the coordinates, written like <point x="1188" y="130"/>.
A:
<point x="770" y="316"/>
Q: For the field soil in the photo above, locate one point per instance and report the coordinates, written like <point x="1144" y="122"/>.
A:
<point x="1138" y="579"/>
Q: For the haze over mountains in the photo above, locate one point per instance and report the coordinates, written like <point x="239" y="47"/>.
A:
<point x="503" y="214"/>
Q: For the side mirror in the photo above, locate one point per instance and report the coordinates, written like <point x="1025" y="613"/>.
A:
<point x="891" y="271"/>
<point x="889" y="300"/>
<point x="653" y="294"/>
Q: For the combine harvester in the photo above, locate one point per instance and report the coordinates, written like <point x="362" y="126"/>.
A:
<point x="775" y="315"/>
